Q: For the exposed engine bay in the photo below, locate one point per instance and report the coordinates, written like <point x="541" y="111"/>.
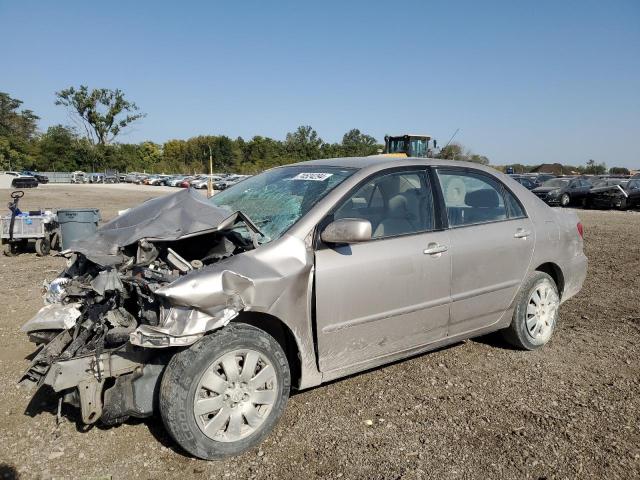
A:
<point x="110" y="315"/>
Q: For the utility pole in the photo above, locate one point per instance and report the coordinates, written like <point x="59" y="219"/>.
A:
<point x="210" y="181"/>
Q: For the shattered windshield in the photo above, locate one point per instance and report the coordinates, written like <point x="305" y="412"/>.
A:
<point x="278" y="198"/>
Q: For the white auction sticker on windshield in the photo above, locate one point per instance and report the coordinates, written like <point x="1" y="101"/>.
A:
<point x="317" y="177"/>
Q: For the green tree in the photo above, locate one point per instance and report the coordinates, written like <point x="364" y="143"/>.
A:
<point x="453" y="151"/>
<point x="594" y="168"/>
<point x="619" y="171"/>
<point x="17" y="132"/>
<point x="303" y="144"/>
<point x="59" y="149"/>
<point x="103" y="113"/>
<point x="358" y="144"/>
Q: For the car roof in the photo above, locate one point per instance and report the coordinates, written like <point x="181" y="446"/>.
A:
<point x="384" y="161"/>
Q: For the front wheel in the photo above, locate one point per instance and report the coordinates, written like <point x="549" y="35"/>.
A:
<point x="536" y="313"/>
<point x="565" y="199"/>
<point x="225" y="393"/>
<point x="11" y="249"/>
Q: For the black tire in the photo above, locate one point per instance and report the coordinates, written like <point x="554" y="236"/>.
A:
<point x="183" y="373"/>
<point x="517" y="334"/>
<point x="623" y="204"/>
<point x="43" y="246"/>
<point x="11" y="249"/>
<point x="55" y="241"/>
<point x="565" y="200"/>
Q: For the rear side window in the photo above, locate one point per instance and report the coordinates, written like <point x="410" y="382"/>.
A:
<point x="514" y="209"/>
<point x="472" y="198"/>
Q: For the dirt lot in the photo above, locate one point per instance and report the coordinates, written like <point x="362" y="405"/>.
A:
<point x="475" y="410"/>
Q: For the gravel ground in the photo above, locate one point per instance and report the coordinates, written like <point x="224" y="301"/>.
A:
<point x="474" y="410"/>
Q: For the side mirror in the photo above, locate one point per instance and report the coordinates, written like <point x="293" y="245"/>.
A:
<point x="347" y="230"/>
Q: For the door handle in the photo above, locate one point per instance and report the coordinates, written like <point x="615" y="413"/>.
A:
<point x="521" y="233"/>
<point x="435" y="249"/>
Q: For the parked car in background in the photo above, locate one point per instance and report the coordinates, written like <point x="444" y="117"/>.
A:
<point x="78" y="177"/>
<point x="176" y="180"/>
<point x="168" y="179"/>
<point x="151" y="180"/>
<point x="614" y="193"/>
<point x="156" y="180"/>
<point x="527" y="182"/>
<point x="111" y="178"/>
<point x="186" y="182"/>
<point x="314" y="271"/>
<point x="96" y="178"/>
<point x="203" y="182"/>
<point x="564" y="191"/>
<point x="540" y="178"/>
<point x="131" y="177"/>
<point x="229" y="181"/>
<point x="22" y="181"/>
<point x="38" y="176"/>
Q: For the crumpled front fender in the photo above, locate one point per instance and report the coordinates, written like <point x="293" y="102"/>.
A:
<point x="200" y="302"/>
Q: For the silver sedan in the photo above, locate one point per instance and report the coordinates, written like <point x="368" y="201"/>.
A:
<point x="294" y="277"/>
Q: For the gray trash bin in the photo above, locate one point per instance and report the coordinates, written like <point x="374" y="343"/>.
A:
<point x="77" y="223"/>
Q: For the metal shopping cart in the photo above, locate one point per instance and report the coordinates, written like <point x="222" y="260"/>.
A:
<point x="18" y="228"/>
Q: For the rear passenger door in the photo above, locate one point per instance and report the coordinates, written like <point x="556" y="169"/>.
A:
<point x="491" y="246"/>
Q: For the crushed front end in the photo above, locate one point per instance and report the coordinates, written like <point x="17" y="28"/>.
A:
<point x="109" y="326"/>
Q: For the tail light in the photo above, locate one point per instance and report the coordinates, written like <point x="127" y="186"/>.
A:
<point x="580" y="229"/>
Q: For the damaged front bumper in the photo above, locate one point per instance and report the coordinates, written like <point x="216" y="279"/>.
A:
<point x="83" y="381"/>
<point x="128" y="295"/>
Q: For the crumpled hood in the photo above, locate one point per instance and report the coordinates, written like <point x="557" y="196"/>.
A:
<point x="172" y="217"/>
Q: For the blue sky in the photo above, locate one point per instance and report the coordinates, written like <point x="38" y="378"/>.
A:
<point x="527" y="82"/>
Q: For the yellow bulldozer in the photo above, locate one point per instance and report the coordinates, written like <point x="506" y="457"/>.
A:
<point x="409" y="146"/>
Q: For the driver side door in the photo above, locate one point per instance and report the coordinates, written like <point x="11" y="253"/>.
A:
<point x="389" y="294"/>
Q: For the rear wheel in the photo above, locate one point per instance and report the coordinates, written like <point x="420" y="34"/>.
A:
<point x="43" y="246"/>
<point x="623" y="204"/>
<point x="536" y="313"/>
<point x="225" y="393"/>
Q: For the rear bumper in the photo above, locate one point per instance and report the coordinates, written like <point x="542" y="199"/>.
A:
<point x="575" y="273"/>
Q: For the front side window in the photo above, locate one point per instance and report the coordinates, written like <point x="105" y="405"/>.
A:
<point x="397" y="203"/>
<point x="472" y="198"/>
<point x="278" y="198"/>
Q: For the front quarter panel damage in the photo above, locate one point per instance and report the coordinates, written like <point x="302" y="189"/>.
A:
<point x="275" y="279"/>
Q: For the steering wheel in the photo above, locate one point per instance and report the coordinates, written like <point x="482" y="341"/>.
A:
<point x="17" y="194"/>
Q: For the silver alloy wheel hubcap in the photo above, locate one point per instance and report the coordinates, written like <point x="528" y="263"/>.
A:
<point x="542" y="311"/>
<point x="235" y="395"/>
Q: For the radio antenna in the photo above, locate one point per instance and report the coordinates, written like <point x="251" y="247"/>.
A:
<point x="454" y="134"/>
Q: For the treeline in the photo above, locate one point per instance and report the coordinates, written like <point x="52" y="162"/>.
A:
<point x="101" y="114"/>
<point x="60" y="148"/>
<point x="590" y="168"/>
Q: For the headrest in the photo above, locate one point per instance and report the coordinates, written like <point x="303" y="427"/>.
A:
<point x="398" y="207"/>
<point x="485" y="198"/>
